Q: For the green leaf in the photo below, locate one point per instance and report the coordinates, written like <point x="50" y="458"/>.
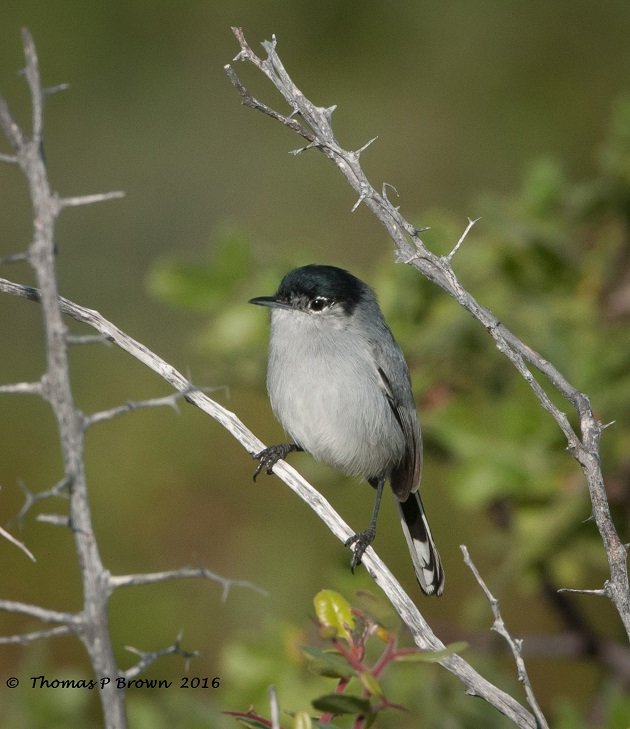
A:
<point x="333" y="611"/>
<point x="327" y="663"/>
<point x="433" y="656"/>
<point x="342" y="704"/>
<point x="371" y="684"/>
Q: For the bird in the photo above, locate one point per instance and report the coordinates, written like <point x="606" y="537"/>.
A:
<point x="339" y="385"/>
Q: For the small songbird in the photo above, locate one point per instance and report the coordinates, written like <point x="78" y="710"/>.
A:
<point x="339" y="385"/>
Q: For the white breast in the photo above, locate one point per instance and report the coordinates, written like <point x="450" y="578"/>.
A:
<point x="326" y="391"/>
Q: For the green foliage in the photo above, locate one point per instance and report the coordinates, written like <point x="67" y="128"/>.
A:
<point x="358" y="653"/>
<point x="334" y="614"/>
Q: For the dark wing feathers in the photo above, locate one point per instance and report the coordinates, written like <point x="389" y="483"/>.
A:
<point x="394" y="374"/>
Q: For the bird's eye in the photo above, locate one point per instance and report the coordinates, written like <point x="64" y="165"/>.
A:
<point x="319" y="303"/>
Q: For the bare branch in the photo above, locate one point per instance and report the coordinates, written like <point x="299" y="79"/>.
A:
<point x="26" y="638"/>
<point x="18" y="544"/>
<point x="602" y="592"/>
<point x="32" y="77"/>
<point x="410" y="249"/>
<point x="60" y="520"/>
<point x="15" y="257"/>
<point x="151" y="578"/>
<point x="12" y="132"/>
<point x="471" y="222"/>
<point x="32" y="497"/>
<point x="72" y="620"/>
<point x="87" y="339"/>
<point x="156" y="402"/>
<point x="148" y="657"/>
<point x="72" y="202"/>
<point x="23" y="388"/>
<point x="56" y="386"/>
<point x="52" y="90"/>
<point x="515" y="645"/>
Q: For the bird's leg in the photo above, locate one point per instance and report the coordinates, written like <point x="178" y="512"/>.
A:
<point x="270" y="456"/>
<point x="362" y="540"/>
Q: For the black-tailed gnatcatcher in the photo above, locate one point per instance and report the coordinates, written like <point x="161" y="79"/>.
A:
<point x="339" y="385"/>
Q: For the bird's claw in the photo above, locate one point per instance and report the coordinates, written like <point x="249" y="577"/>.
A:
<point x="361" y="541"/>
<point x="268" y="457"/>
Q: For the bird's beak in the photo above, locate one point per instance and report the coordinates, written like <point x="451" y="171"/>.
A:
<point x="270" y="301"/>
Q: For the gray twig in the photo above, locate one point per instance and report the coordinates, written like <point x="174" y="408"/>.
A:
<point x="151" y="578"/>
<point x="149" y="657"/>
<point x="40" y="613"/>
<point x="23" y="388"/>
<point x="20" y="545"/>
<point x="515" y="645"/>
<point x="131" y="405"/>
<point x="26" y="638"/>
<point x="32" y="497"/>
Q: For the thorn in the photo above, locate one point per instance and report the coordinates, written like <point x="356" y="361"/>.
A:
<point x="471" y="222"/>
<point x="69" y="202"/>
<point x="362" y="149"/>
<point x="602" y="592"/>
<point x="365" y="193"/>
<point x="417" y="231"/>
<point x="52" y="90"/>
<point x="54" y="519"/>
<point x="362" y="197"/>
<point x="311" y="145"/>
<point x="15" y="258"/>
<point x="384" y="190"/>
<point x="294" y="113"/>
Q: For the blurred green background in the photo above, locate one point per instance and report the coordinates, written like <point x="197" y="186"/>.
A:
<point x="511" y="111"/>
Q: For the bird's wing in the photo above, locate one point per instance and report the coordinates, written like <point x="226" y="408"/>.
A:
<point x="394" y="377"/>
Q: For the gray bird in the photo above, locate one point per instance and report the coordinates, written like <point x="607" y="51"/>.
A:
<point x="339" y="385"/>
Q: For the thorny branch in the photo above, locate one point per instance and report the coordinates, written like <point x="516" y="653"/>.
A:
<point x="316" y="128"/>
<point x="515" y="645"/>
<point x="146" y="658"/>
<point x="90" y="624"/>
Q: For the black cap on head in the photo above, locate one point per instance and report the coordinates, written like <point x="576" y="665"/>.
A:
<point x="328" y="282"/>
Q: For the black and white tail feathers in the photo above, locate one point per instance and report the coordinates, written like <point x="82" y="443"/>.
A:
<point x="424" y="554"/>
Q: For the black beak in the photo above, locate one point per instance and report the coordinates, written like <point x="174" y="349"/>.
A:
<point x="270" y="301"/>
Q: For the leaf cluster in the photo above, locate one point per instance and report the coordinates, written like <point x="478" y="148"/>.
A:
<point x="347" y="656"/>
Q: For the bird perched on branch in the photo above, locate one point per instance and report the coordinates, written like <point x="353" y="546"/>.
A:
<point x="339" y="385"/>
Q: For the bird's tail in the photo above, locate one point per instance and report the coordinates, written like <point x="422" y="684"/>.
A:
<point x="424" y="554"/>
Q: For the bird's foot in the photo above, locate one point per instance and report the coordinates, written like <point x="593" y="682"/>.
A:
<point x="268" y="458"/>
<point x="361" y="542"/>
